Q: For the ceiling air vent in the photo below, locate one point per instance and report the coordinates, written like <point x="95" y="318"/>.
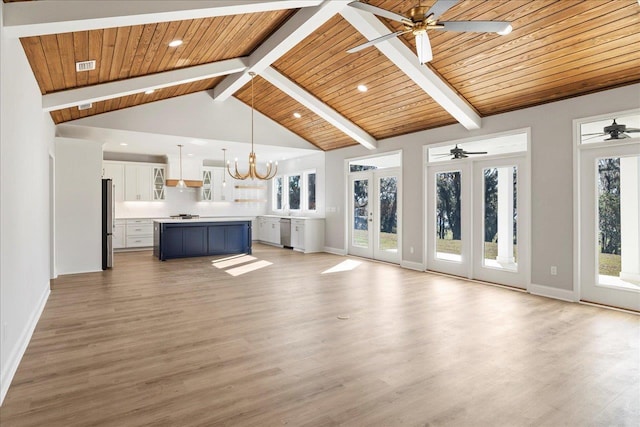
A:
<point x="85" y="66"/>
<point x="85" y="106"/>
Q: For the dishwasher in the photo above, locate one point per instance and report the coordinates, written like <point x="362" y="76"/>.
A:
<point x="285" y="232"/>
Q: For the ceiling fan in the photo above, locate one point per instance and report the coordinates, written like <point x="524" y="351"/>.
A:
<point x="614" y="130"/>
<point x="421" y="19"/>
<point x="460" y="153"/>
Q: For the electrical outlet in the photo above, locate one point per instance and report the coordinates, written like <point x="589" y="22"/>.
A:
<point x="411" y="249"/>
<point x="554" y="270"/>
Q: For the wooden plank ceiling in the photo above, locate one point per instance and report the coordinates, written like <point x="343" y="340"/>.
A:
<point x="558" y="49"/>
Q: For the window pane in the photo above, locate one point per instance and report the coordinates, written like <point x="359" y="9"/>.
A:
<point x="361" y="213"/>
<point x="500" y="218"/>
<point x="278" y="192"/>
<point x="609" y="224"/>
<point x="618" y="225"/>
<point x="389" y="214"/>
<point x="294" y="192"/>
<point x="448" y="216"/>
<point x="311" y="191"/>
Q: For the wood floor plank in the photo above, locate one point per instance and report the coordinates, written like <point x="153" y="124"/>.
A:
<point x="184" y="343"/>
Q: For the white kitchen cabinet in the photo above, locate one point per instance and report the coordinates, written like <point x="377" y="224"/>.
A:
<point x="139" y="233"/>
<point x="213" y="185"/>
<point x="307" y="234"/>
<point x="144" y="182"/>
<point x="119" y="234"/>
<point x="269" y="230"/>
<point x="115" y="171"/>
<point x="297" y="234"/>
<point x="206" y="191"/>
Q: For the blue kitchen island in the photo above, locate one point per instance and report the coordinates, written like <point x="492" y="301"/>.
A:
<point x="182" y="238"/>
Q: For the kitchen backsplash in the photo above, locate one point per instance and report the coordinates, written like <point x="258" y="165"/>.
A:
<point x="186" y="202"/>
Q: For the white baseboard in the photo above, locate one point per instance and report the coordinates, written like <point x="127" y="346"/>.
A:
<point x="549" y="292"/>
<point x="418" y="266"/>
<point x="335" y="251"/>
<point x="13" y="361"/>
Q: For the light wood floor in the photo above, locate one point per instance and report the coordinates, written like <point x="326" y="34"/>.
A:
<point x="184" y="343"/>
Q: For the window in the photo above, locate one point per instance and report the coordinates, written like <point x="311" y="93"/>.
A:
<point x="311" y="190"/>
<point x="296" y="191"/>
<point x="277" y="193"/>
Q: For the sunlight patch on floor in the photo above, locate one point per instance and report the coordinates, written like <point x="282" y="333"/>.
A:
<point x="248" y="268"/>
<point x="346" y="265"/>
<point x="230" y="262"/>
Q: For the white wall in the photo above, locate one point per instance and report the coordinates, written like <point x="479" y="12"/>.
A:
<point x="26" y="139"/>
<point x="551" y="178"/>
<point x="78" y="206"/>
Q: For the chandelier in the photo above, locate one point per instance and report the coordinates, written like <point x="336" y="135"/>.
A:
<point x="253" y="173"/>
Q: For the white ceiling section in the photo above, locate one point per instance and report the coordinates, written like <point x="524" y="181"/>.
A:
<point x="35" y="18"/>
<point x="156" y="128"/>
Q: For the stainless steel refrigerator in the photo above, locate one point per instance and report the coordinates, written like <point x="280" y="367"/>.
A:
<point x="107" y="223"/>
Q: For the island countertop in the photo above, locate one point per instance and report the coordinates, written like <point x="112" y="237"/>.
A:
<point x="209" y="219"/>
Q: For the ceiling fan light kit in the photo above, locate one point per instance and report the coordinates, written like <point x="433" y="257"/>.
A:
<point x="421" y="19"/>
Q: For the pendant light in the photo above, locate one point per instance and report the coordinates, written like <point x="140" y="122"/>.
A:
<point x="181" y="184"/>
<point x="252" y="172"/>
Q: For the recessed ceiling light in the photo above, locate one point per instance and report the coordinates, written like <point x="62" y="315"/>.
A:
<point x="190" y="154"/>
<point x="175" y="43"/>
<point x="362" y="88"/>
<point x="297" y="115"/>
<point x="124" y="144"/>
<point x="149" y="92"/>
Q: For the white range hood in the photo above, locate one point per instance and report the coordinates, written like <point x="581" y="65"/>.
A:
<point x="191" y="171"/>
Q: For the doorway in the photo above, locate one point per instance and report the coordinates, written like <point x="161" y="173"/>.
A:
<point x="608" y="241"/>
<point x="375" y="208"/>
<point x="477" y="209"/>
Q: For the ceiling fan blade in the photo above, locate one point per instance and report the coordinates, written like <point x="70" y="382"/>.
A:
<point x="381" y="12"/>
<point x="423" y="46"/>
<point x="501" y="27"/>
<point x="378" y="40"/>
<point x="596" y="134"/>
<point x="475" y="152"/>
<point x="440" y="7"/>
<point x="627" y="130"/>
<point x="593" y="135"/>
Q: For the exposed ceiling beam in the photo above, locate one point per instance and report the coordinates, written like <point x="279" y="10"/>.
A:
<point x="286" y="37"/>
<point x="117" y="89"/>
<point x="318" y="107"/>
<point x="405" y="59"/>
<point x="32" y="18"/>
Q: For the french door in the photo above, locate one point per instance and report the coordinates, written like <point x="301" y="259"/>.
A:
<point x="449" y="244"/>
<point x="609" y="225"/>
<point x="477" y="219"/>
<point x="374" y="204"/>
<point x="501" y="221"/>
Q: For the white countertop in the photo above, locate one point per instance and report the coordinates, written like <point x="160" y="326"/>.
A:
<point x="209" y="219"/>
<point x="290" y="216"/>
